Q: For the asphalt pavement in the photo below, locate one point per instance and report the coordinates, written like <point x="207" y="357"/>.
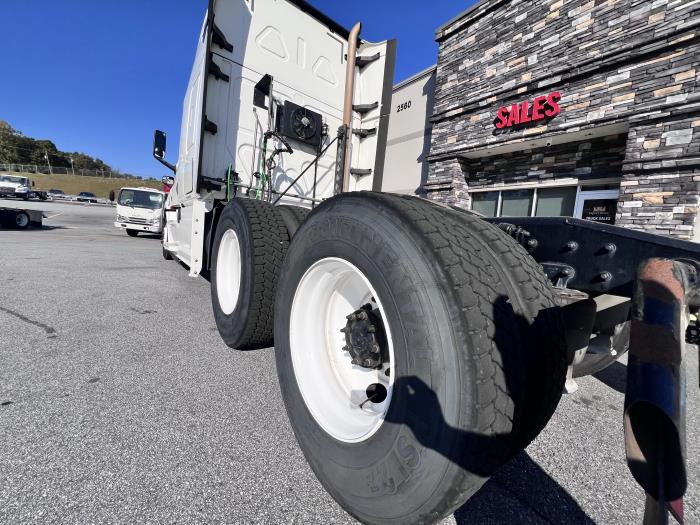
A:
<point x="119" y="403"/>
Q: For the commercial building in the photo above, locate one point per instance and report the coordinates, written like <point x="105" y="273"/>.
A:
<point x="585" y="108"/>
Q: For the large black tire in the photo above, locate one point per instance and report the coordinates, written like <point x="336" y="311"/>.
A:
<point x="293" y="217"/>
<point x="480" y="358"/>
<point x="132" y="233"/>
<point x="263" y="241"/>
<point x="22" y="220"/>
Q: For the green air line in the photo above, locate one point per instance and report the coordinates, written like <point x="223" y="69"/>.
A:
<point x="263" y="173"/>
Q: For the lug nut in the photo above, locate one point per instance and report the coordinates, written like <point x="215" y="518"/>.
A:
<point x="346" y="348"/>
<point x="351" y="317"/>
<point x="375" y="349"/>
<point x="368" y="363"/>
<point x="572" y="246"/>
<point x="605" y="276"/>
<point x="362" y="316"/>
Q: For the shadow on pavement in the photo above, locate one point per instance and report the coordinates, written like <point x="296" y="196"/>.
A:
<point x="33" y="228"/>
<point x="615" y="376"/>
<point x="521" y="492"/>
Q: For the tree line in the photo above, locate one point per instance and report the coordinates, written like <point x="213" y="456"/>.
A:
<point x="16" y="148"/>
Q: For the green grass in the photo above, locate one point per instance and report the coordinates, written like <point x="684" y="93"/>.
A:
<point x="74" y="184"/>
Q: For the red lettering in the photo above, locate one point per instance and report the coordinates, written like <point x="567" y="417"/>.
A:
<point x="552" y="100"/>
<point x="524" y="117"/>
<point x="527" y="111"/>
<point x="538" y="108"/>
<point x="501" y="118"/>
<point x="514" y="115"/>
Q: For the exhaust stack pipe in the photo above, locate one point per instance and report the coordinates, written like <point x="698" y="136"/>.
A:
<point x="347" y="104"/>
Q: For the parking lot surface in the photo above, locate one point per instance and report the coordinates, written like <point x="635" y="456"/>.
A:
<point x="120" y="403"/>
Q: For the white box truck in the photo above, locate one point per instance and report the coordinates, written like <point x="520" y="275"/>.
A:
<point x="419" y="347"/>
<point x="140" y="210"/>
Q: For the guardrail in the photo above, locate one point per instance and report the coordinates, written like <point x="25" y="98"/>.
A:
<point x="59" y="170"/>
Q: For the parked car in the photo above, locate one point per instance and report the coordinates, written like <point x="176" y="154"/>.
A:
<point x="56" y="194"/>
<point x="86" y="196"/>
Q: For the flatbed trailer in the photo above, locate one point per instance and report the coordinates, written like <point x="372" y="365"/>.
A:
<point x="20" y="218"/>
<point x="419" y="347"/>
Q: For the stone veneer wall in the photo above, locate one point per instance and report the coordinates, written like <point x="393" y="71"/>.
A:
<point x="615" y="62"/>
<point x="591" y="159"/>
<point x="661" y="177"/>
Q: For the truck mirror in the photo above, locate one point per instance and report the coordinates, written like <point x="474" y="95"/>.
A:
<point x="33" y="183"/>
<point x="167" y="180"/>
<point x="159" y="141"/>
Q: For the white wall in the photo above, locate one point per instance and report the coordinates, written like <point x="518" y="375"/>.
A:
<point x="408" y="141"/>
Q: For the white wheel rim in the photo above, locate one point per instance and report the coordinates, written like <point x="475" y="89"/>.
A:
<point x="22" y="220"/>
<point x="228" y="272"/>
<point x="332" y="387"/>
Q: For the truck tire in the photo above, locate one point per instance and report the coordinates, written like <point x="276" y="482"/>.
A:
<point x="22" y="220"/>
<point x="465" y="323"/>
<point x="293" y="217"/>
<point x="132" y="233"/>
<point x="249" y="245"/>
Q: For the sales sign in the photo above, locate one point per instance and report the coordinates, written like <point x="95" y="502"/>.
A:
<point x="528" y="111"/>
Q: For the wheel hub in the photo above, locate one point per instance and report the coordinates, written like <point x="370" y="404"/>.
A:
<point x="364" y="338"/>
<point x="349" y="401"/>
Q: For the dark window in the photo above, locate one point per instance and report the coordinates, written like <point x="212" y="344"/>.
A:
<point x="516" y="203"/>
<point x="555" y="202"/>
<point x="485" y="203"/>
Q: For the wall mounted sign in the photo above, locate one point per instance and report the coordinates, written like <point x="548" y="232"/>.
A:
<point x="600" y="210"/>
<point x="525" y="112"/>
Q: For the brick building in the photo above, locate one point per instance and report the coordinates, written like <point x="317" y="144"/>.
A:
<point x="589" y="108"/>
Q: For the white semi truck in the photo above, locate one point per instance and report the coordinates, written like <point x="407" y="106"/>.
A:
<point x="20" y="187"/>
<point x="419" y="347"/>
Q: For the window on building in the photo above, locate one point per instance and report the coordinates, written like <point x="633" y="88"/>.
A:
<point x="556" y="202"/>
<point x="486" y="203"/>
<point x="553" y="201"/>
<point x="516" y="203"/>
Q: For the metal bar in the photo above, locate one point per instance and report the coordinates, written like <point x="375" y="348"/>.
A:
<point x="304" y="171"/>
<point x="342" y="135"/>
<point x="313" y="189"/>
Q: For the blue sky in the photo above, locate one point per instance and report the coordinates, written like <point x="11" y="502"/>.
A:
<point x="98" y="76"/>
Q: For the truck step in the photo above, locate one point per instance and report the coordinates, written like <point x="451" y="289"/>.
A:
<point x="215" y="70"/>
<point x="362" y="133"/>
<point x="219" y="39"/>
<point x="363" y="61"/>
<point x="364" y="108"/>
<point x="210" y="126"/>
